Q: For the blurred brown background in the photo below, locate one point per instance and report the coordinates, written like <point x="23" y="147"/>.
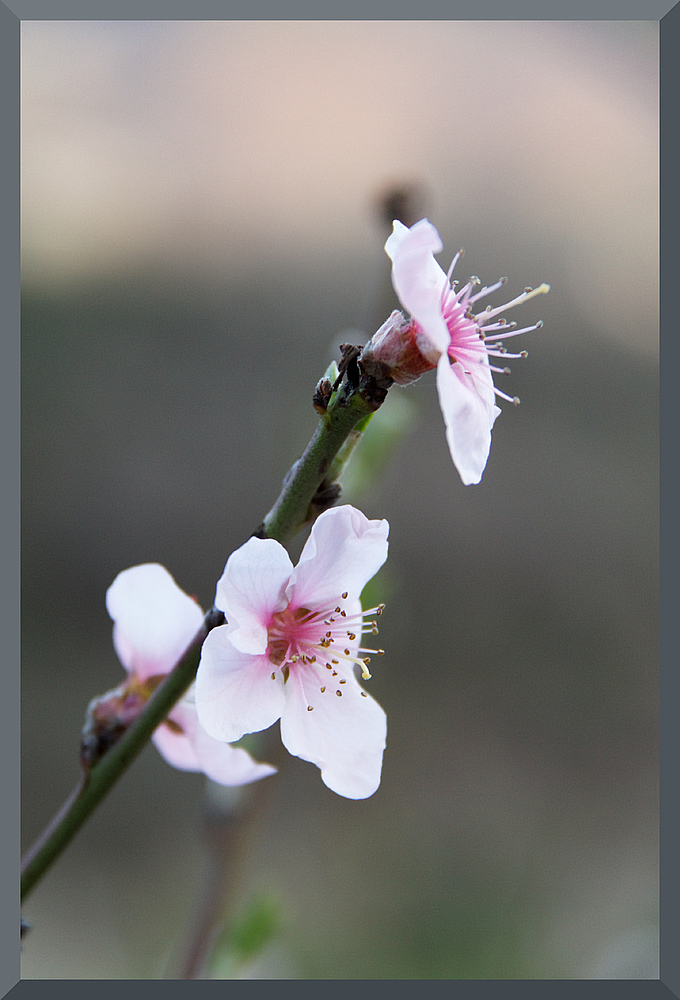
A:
<point x="202" y="224"/>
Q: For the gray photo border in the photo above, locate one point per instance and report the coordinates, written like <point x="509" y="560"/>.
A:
<point x="10" y="25"/>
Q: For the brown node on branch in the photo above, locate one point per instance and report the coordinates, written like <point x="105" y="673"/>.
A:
<point x="348" y="366"/>
<point x="322" y="395"/>
<point x="109" y="715"/>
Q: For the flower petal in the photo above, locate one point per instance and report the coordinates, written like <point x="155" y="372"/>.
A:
<point x="154" y="620"/>
<point x="418" y="279"/>
<point x="344" y="735"/>
<point x="194" y="750"/>
<point x="251" y="589"/>
<point x="235" y="693"/>
<point x="469" y="414"/>
<point x="344" y="550"/>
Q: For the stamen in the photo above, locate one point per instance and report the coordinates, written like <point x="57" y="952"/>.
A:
<point x="527" y="294"/>
<point x="453" y="263"/>
<point x="503" y="352"/>
<point x="488" y="289"/>
<point x="516" y="333"/>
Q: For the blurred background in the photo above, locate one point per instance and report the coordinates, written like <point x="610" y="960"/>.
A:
<point x="204" y="210"/>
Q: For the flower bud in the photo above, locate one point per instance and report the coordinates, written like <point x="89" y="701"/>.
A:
<point x="395" y="351"/>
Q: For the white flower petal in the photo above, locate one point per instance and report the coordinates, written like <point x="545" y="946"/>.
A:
<point x="418" y="279"/>
<point x="154" y="620"/>
<point x="469" y="414"/>
<point x="194" y="750"/>
<point x="344" y="550"/>
<point x="251" y="589"/>
<point x="235" y="693"/>
<point x="344" y="735"/>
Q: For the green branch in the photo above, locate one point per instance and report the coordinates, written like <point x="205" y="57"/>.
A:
<point x="97" y="781"/>
<point x="308" y="489"/>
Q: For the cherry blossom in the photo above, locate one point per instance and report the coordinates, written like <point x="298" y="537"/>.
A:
<point x="446" y="334"/>
<point x="154" y="623"/>
<point x="291" y="644"/>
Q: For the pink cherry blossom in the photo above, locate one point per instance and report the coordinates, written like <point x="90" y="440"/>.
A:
<point x="290" y="646"/>
<point x="452" y="338"/>
<point x="154" y="623"/>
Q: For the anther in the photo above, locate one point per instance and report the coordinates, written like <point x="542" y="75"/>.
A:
<point x="347" y="652"/>
<point x="344" y="596"/>
<point x="342" y="682"/>
<point x="351" y="635"/>
<point x="524" y="354"/>
<point x="364" y="695"/>
<point x="310" y="708"/>
<point x="323" y="690"/>
<point x="515" y="400"/>
<point x="328" y="635"/>
<point x="528" y="289"/>
<point x="339" y="694"/>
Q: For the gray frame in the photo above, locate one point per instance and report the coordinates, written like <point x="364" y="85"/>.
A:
<point x="10" y="19"/>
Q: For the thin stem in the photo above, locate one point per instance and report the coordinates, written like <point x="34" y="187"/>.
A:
<point x="293" y="509"/>
<point x="95" y="783"/>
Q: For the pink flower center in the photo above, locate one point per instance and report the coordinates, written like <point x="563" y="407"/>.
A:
<point x="327" y="636"/>
<point x="469" y="331"/>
